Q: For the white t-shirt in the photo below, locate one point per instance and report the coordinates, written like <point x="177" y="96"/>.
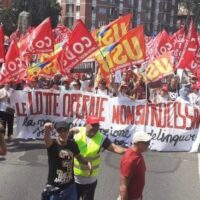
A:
<point x="193" y="98"/>
<point x="4" y="102"/>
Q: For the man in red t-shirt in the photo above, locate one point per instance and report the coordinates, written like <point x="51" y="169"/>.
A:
<point x="132" y="168"/>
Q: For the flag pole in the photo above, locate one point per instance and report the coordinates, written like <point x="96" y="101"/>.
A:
<point x="104" y="58"/>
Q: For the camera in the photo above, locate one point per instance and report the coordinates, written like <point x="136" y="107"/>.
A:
<point x="48" y="191"/>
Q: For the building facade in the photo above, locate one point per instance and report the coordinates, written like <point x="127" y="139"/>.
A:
<point x="94" y="13"/>
<point x="153" y="14"/>
<point x="5" y="3"/>
<point x="156" y="15"/>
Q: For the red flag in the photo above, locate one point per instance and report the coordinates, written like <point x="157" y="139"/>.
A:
<point x="15" y="36"/>
<point x="178" y="39"/>
<point x="198" y="74"/>
<point x="79" y="46"/>
<point x="151" y="45"/>
<point x="13" y="64"/>
<point x="2" y="51"/>
<point x="190" y="57"/>
<point x="163" y="45"/>
<point x="61" y="33"/>
<point x="40" y="40"/>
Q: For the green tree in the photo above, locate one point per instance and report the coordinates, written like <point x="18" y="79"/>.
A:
<point x="8" y="19"/>
<point x="38" y="9"/>
<point x="193" y="7"/>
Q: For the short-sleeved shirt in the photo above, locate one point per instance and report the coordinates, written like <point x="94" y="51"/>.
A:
<point x="132" y="165"/>
<point x="61" y="162"/>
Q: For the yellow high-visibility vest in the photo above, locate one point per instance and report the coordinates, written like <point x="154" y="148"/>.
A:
<point x="89" y="151"/>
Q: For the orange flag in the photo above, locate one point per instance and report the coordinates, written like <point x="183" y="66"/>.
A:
<point x="160" y="67"/>
<point x="129" y="49"/>
<point x="113" y="31"/>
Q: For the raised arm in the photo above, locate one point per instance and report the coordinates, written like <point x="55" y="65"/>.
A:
<point x="47" y="134"/>
<point x="116" y="149"/>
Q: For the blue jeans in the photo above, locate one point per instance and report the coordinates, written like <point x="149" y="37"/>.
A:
<point x="68" y="193"/>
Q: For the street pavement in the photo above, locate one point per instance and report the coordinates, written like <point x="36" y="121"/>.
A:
<point x="170" y="176"/>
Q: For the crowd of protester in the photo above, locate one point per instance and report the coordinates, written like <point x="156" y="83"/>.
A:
<point x="132" y="85"/>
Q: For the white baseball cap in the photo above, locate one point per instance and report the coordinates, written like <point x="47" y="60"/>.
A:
<point x="141" y="136"/>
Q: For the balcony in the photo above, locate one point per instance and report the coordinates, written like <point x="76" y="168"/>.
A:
<point x="69" y="1"/>
<point x="69" y="14"/>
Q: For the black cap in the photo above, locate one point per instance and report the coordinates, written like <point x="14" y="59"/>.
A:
<point x="63" y="125"/>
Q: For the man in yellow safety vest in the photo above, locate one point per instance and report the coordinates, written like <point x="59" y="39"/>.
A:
<point x="90" y="141"/>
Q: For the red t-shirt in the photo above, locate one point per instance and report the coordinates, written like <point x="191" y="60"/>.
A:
<point x="132" y="165"/>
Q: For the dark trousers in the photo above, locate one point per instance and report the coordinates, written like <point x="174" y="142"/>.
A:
<point x="7" y="118"/>
<point x="86" y="191"/>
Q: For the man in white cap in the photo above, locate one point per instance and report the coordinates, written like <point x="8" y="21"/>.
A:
<point x="132" y="168"/>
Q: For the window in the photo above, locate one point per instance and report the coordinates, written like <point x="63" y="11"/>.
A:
<point x="121" y="6"/>
<point x="112" y="11"/>
<point x="172" y="21"/>
<point x="173" y="2"/>
<point x="69" y="22"/>
<point x="102" y="11"/>
<point x="149" y="16"/>
<point x="77" y="8"/>
<point x="130" y="2"/>
<point x="69" y="8"/>
<point x="166" y="5"/>
<point x="101" y="23"/>
<point x="164" y="17"/>
<point x="150" y="3"/>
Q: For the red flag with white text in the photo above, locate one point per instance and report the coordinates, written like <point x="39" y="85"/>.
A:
<point x="178" y="39"/>
<point x="163" y="45"/>
<point x="61" y="33"/>
<point x="40" y="40"/>
<point x="79" y="46"/>
<point x="151" y="45"/>
<point x="190" y="57"/>
<point x="13" y="64"/>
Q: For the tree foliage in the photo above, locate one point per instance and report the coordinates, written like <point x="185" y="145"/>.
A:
<point x="193" y="7"/>
<point x="38" y="9"/>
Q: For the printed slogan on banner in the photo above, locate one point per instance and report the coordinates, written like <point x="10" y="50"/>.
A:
<point x="173" y="126"/>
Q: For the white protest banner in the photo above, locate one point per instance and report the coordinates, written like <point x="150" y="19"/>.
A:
<point x="173" y="126"/>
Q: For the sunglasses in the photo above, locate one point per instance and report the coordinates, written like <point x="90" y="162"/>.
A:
<point x="95" y="125"/>
<point x="146" y="143"/>
<point x="62" y="130"/>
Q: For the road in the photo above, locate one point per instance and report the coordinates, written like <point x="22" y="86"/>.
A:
<point x="170" y="176"/>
